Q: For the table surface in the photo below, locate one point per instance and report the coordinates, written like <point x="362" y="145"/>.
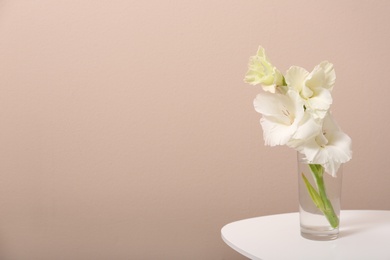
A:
<point x="364" y="234"/>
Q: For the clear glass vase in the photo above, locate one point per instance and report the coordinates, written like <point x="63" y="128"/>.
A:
<point x="319" y="201"/>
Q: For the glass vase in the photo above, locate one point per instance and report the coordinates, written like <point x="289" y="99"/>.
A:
<point x="319" y="201"/>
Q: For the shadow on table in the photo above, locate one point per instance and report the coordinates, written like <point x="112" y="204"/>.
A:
<point x="360" y="223"/>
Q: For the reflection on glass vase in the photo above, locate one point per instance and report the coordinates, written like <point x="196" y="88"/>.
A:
<point x="319" y="201"/>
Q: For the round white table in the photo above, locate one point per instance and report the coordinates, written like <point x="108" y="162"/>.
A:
<point x="364" y="234"/>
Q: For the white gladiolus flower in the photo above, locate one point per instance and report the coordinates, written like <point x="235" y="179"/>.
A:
<point x="315" y="87"/>
<point x="261" y="71"/>
<point x="330" y="148"/>
<point x="283" y="118"/>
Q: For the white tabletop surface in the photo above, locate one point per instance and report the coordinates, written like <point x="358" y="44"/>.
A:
<point x="364" y="234"/>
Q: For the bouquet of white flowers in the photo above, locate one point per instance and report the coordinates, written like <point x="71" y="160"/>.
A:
<point x="295" y="112"/>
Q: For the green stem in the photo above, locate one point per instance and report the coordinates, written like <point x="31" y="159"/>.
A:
<point x="326" y="207"/>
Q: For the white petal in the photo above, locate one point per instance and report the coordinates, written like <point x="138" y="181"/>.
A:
<point x="270" y="88"/>
<point x="320" y="103"/>
<point x="322" y="76"/>
<point x="314" y="152"/>
<point x="274" y="105"/>
<point x="330" y="75"/>
<point x="322" y="99"/>
<point x="339" y="147"/>
<point x="316" y="78"/>
<point x="308" y="128"/>
<point x="332" y="167"/>
<point x="275" y="133"/>
<point x="306" y="92"/>
<point x="281" y="116"/>
<point x="295" y="77"/>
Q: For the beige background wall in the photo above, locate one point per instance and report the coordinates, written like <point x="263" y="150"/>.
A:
<point x="127" y="131"/>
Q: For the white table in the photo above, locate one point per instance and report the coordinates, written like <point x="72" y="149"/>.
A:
<point x="364" y="235"/>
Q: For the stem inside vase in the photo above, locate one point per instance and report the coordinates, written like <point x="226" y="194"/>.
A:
<point x="319" y="195"/>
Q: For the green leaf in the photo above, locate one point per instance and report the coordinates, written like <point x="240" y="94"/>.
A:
<point x="314" y="194"/>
